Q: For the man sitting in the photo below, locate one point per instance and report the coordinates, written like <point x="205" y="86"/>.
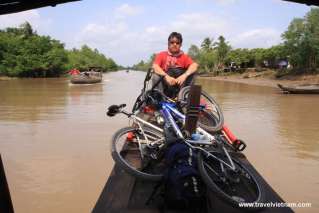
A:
<point x="177" y="67"/>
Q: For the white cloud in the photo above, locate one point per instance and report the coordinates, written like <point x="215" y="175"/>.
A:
<point x="32" y="16"/>
<point x="196" y="26"/>
<point x="127" y="46"/>
<point x="100" y="36"/>
<point x="127" y="10"/>
<point x="282" y="2"/>
<point x="225" y="2"/>
<point x="220" y="2"/>
<point x="264" y="37"/>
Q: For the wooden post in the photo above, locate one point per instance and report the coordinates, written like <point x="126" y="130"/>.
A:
<point x="192" y="108"/>
<point x="5" y="198"/>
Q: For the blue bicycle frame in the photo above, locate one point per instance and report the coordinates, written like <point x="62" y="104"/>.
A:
<point x="166" y="110"/>
<point x="169" y="110"/>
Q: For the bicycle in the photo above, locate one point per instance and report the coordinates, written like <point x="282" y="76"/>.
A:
<point x="221" y="172"/>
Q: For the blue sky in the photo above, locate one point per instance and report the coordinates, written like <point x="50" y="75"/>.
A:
<point x="129" y="31"/>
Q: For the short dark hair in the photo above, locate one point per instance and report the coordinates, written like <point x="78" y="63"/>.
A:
<point x="176" y="35"/>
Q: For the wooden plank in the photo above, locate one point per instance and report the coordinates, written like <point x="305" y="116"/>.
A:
<point x="192" y="108"/>
<point x="116" y="193"/>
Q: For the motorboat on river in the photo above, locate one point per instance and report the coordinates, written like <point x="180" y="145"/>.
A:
<point x="87" y="77"/>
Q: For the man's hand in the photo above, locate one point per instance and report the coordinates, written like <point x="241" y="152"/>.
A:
<point x="170" y="80"/>
<point x="181" y="79"/>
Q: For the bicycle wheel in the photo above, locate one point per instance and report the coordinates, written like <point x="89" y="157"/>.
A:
<point x="137" y="157"/>
<point x="234" y="187"/>
<point x="210" y="117"/>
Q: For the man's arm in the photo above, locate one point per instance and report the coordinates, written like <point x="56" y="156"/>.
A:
<point x="158" y="70"/>
<point x="191" y="69"/>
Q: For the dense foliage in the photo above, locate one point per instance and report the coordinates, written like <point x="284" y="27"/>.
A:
<point x="302" y="41"/>
<point x="144" y="65"/>
<point x="24" y="53"/>
<point x="85" y="58"/>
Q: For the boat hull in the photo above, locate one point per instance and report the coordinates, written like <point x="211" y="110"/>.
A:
<point x="301" y="89"/>
<point x="87" y="78"/>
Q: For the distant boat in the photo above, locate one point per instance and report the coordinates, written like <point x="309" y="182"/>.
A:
<point x="300" y="89"/>
<point x="88" y="77"/>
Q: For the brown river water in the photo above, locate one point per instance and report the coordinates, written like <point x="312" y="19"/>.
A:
<point x="55" y="138"/>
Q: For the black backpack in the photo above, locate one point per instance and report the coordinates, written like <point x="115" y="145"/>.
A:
<point x="182" y="185"/>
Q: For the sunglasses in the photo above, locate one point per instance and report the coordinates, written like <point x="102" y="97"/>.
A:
<point x="175" y="42"/>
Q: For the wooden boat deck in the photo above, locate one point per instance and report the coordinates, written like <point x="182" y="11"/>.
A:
<point x="124" y="193"/>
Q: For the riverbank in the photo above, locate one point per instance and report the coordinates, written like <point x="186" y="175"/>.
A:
<point x="265" y="78"/>
<point x="6" y="78"/>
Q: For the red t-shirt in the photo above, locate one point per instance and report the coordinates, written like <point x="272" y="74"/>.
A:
<point x="165" y="60"/>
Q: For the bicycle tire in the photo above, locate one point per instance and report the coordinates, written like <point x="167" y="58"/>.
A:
<point x="254" y="192"/>
<point x="211" y="120"/>
<point x="123" y="155"/>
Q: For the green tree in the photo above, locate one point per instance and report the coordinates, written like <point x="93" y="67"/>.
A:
<point x="312" y="31"/>
<point x="26" y="54"/>
<point x="273" y="54"/>
<point x="26" y="29"/>
<point x="207" y="44"/>
<point x="194" y="52"/>
<point x="207" y="60"/>
<point x="302" y="41"/>
<point x="257" y="56"/>
<point x="23" y="53"/>
<point x="86" y="57"/>
<point x="207" y="56"/>
<point x="239" y="56"/>
<point x="144" y="66"/>
<point x="222" y="48"/>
